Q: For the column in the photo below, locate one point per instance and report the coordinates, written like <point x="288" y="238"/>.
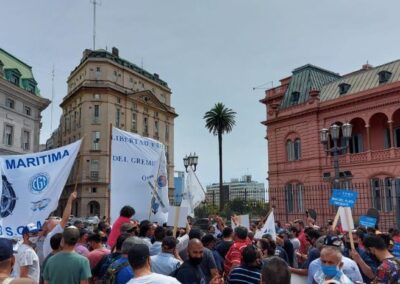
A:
<point x="368" y="140"/>
<point x="390" y="123"/>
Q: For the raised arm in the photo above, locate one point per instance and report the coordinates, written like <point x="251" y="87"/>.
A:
<point x="67" y="210"/>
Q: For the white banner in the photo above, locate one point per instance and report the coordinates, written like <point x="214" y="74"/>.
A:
<point x="194" y="193"/>
<point x="138" y="176"/>
<point x="268" y="228"/>
<point x="32" y="185"/>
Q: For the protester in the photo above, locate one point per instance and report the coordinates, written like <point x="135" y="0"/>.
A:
<point x="125" y="216"/>
<point x="190" y="271"/>
<point x="389" y="269"/>
<point x="167" y="261"/>
<point x="98" y="251"/>
<point x="27" y="262"/>
<point x="159" y="235"/>
<point x="57" y="226"/>
<point x="207" y="264"/>
<point x="139" y="259"/>
<point x="67" y="266"/>
<point x="209" y="242"/>
<point x="284" y="242"/>
<point x="249" y="270"/>
<point x="331" y="267"/>
<point x="146" y="232"/>
<point x="276" y="271"/>
<point x="128" y="228"/>
<point x="349" y="268"/>
<point x="303" y="249"/>
<point x="81" y="246"/>
<point x="55" y="243"/>
<point x="227" y="240"/>
<point x="233" y="256"/>
<point x="7" y="261"/>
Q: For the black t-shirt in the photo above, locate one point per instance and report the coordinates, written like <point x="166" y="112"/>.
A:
<point x="190" y="274"/>
<point x="288" y="247"/>
<point x="223" y="247"/>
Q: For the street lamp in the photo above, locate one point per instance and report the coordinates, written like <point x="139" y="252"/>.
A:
<point x="334" y="132"/>
<point x="191" y="161"/>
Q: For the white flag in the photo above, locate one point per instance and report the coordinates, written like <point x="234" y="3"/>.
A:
<point x="32" y="185"/>
<point x="268" y="228"/>
<point x="138" y="176"/>
<point x="194" y="193"/>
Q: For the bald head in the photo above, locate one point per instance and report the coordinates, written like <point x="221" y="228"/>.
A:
<point x="195" y="248"/>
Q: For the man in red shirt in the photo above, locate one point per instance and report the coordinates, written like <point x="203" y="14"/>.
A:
<point x="234" y="255"/>
<point x="98" y="251"/>
<point x="302" y="252"/>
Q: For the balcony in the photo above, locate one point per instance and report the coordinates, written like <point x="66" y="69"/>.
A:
<point x="370" y="156"/>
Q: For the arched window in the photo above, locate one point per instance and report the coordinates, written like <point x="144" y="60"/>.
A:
<point x="289" y="150"/>
<point x="297" y="149"/>
<point x="294" y="197"/>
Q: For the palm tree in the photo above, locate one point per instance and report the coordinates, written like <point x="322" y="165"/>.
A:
<point x="220" y="120"/>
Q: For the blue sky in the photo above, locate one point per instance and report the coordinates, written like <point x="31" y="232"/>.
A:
<point x="208" y="51"/>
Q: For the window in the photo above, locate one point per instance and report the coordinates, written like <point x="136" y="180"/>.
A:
<point x="27" y="110"/>
<point x="294" y="196"/>
<point x="117" y="117"/>
<point x="166" y="132"/>
<point x="297" y="149"/>
<point x="98" y="69"/>
<point x="294" y="98"/>
<point x="93" y="190"/>
<point x="8" y="135"/>
<point x="397" y="137"/>
<point x="156" y="128"/>
<point x="10" y="103"/>
<point x="386" y="139"/>
<point x="96" y="113"/>
<point x="94" y="169"/>
<point x="145" y="126"/>
<point x="383" y="193"/>
<point x="26" y="138"/>
<point x="344" y="88"/>
<point x="14" y="79"/>
<point x="384" y="76"/>
<point x="293" y="149"/>
<point x="356" y="144"/>
<point x="134" y="122"/>
<point x="96" y="140"/>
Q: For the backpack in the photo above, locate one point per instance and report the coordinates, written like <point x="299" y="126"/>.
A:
<point x="101" y="268"/>
<point x="112" y="271"/>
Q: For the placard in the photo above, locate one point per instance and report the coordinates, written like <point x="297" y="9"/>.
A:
<point x="177" y="216"/>
<point x="346" y="218"/>
<point x="344" y="198"/>
<point x="367" y="221"/>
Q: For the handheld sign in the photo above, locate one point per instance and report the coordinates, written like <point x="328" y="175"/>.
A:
<point x="177" y="216"/>
<point x="396" y="250"/>
<point x="347" y="222"/>
<point x="344" y="198"/>
<point x="367" y="221"/>
<point x="243" y="220"/>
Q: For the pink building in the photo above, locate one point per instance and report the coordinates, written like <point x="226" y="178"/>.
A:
<point x="300" y="170"/>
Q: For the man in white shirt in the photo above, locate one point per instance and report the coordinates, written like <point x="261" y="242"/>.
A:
<point x="27" y="261"/>
<point x="139" y="259"/>
<point x="57" y="226"/>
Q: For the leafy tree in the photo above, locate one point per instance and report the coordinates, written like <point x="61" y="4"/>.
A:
<point x="220" y="120"/>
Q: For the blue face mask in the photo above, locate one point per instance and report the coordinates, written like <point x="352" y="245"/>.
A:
<point x="329" y="271"/>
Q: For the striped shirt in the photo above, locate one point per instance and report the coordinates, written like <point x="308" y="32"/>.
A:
<point x="245" y="274"/>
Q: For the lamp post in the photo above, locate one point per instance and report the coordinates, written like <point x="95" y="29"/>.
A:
<point x="191" y="161"/>
<point x="334" y="132"/>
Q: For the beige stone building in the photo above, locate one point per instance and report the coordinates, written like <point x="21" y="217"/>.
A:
<point x="105" y="89"/>
<point x="20" y="107"/>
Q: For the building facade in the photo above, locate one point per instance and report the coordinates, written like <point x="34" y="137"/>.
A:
<point x="105" y="90"/>
<point x="300" y="171"/>
<point x="245" y="189"/>
<point x="20" y="107"/>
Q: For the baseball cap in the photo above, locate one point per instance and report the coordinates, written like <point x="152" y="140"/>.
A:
<point x="6" y="249"/>
<point x="127" y="228"/>
<point x="30" y="228"/>
<point x="333" y="241"/>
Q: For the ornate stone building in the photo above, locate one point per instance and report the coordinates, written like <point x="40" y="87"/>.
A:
<point x="105" y="90"/>
<point x="313" y="98"/>
<point x="20" y="107"/>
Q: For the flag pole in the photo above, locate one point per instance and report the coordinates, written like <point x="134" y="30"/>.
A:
<point x="78" y="164"/>
<point x="109" y="173"/>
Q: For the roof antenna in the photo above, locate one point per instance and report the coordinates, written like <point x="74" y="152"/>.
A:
<point x="95" y="3"/>
<point x="262" y="86"/>
<point x="141" y="63"/>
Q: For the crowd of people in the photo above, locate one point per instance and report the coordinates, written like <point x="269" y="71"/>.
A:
<point x="139" y="251"/>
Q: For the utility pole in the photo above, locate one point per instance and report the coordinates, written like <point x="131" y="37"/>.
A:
<point x="52" y="98"/>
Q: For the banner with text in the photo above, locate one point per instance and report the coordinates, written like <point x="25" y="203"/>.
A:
<point x="32" y="185"/>
<point x="138" y="176"/>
